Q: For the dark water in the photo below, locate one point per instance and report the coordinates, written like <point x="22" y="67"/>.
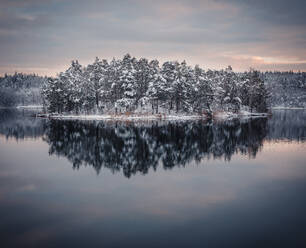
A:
<point x="160" y="184"/>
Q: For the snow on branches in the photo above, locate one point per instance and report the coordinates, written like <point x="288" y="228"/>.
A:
<point x="129" y="84"/>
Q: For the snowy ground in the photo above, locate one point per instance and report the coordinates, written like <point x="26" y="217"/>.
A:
<point x="281" y="107"/>
<point x="123" y="117"/>
<point x="29" y="107"/>
<point x="239" y="115"/>
<point x="144" y="117"/>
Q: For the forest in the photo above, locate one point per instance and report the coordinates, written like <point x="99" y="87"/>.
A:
<point x="21" y="89"/>
<point x="287" y="89"/>
<point x="131" y="85"/>
<point x="140" y="85"/>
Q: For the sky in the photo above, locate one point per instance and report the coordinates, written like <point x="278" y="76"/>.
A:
<point x="43" y="36"/>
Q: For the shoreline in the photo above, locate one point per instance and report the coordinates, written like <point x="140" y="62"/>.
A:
<point x="287" y="108"/>
<point x="161" y="117"/>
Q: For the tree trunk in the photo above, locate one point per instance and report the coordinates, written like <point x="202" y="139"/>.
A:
<point x="97" y="99"/>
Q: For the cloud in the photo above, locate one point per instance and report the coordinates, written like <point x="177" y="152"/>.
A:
<point x="279" y="12"/>
<point x="46" y="33"/>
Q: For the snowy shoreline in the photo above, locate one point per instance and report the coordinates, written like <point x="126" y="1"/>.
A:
<point x="286" y="108"/>
<point x="29" y="107"/>
<point x="147" y="117"/>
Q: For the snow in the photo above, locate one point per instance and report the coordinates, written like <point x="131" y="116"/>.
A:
<point x="246" y="113"/>
<point x="282" y="107"/>
<point x="144" y="117"/>
<point x="29" y="107"/>
<point x="125" y="117"/>
<point x="224" y="115"/>
<point x="238" y="99"/>
<point x="227" y="99"/>
<point x="172" y="88"/>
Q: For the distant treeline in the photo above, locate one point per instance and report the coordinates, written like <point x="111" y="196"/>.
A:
<point x="130" y="84"/>
<point x="21" y="89"/>
<point x="288" y="89"/>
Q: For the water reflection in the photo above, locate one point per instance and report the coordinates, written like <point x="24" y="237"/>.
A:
<point x="239" y="202"/>
<point x="287" y="125"/>
<point x="137" y="148"/>
<point x="19" y="124"/>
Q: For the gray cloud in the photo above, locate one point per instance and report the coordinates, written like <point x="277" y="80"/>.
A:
<point x="280" y="12"/>
<point x="212" y="33"/>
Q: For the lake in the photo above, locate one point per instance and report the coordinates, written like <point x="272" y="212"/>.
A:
<point x="239" y="183"/>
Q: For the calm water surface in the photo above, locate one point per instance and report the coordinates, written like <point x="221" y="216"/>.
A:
<point x="160" y="184"/>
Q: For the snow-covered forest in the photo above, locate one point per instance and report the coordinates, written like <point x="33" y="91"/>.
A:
<point x="21" y="89"/>
<point x="132" y="85"/>
<point x="287" y="89"/>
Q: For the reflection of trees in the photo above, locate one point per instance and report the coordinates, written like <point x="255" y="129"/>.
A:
<point x="136" y="148"/>
<point x="19" y="125"/>
<point x="289" y="125"/>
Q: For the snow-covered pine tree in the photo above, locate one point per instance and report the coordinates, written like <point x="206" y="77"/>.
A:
<point x="230" y="84"/>
<point x="184" y="85"/>
<point x="169" y="73"/>
<point x="113" y="85"/>
<point x="258" y="92"/>
<point x="128" y="86"/>
<point x="253" y="92"/>
<point x="202" y="92"/>
<point x="53" y="94"/>
<point x="156" y="91"/>
<point x="142" y="78"/>
<point x="96" y="75"/>
<point x="73" y="78"/>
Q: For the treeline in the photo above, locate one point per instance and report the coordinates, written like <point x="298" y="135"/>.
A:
<point x="21" y="89"/>
<point x="288" y="89"/>
<point x="151" y="84"/>
<point x="142" y="85"/>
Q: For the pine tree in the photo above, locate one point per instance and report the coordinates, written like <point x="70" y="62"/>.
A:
<point x="169" y="73"/>
<point x="230" y="90"/>
<point x="73" y="79"/>
<point x="156" y="93"/>
<point x="53" y="92"/>
<point x="254" y="93"/>
<point x="96" y="74"/>
<point x="142" y="78"/>
<point x="114" y="91"/>
<point x="128" y="86"/>
<point x="202" y="93"/>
